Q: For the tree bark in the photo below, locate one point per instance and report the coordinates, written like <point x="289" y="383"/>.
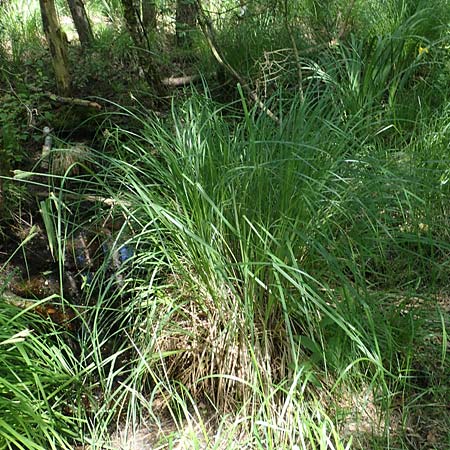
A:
<point x="149" y="15"/>
<point x="81" y="22"/>
<point x="57" y="42"/>
<point x="133" y="24"/>
<point x="186" y="21"/>
<point x="140" y="40"/>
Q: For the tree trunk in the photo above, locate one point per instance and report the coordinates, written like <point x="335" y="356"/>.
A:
<point x="149" y="15"/>
<point x="186" y="21"/>
<point x="81" y="22"/>
<point x="132" y="21"/>
<point x="57" y="42"/>
<point x="140" y="40"/>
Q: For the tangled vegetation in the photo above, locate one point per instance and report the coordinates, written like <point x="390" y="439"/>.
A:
<point x="252" y="253"/>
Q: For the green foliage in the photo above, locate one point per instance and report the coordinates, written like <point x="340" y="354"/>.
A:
<point x="19" y="29"/>
<point x="14" y="133"/>
<point x="383" y="17"/>
<point x="112" y="9"/>
<point x="274" y="219"/>
<point x="278" y="269"/>
<point x="37" y="383"/>
<point x="245" y="42"/>
<point x="17" y="136"/>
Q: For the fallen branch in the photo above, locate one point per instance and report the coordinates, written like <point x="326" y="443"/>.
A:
<point x="72" y="100"/>
<point x="17" y="301"/>
<point x="180" y="81"/>
<point x="24" y="176"/>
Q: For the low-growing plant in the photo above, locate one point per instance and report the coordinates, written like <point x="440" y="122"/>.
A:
<point x="264" y="248"/>
<point x="39" y="383"/>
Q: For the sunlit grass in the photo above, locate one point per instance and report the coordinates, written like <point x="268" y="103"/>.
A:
<point x="285" y="281"/>
<point x="40" y="383"/>
<point x="266" y="250"/>
<point x="271" y="266"/>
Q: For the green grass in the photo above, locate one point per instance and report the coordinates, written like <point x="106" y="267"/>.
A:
<point x="288" y="284"/>
<point x="39" y="381"/>
<point x="265" y="253"/>
<point x="20" y="23"/>
<point x="275" y="276"/>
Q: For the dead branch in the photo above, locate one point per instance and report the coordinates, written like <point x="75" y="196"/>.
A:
<point x="180" y="81"/>
<point x="72" y="100"/>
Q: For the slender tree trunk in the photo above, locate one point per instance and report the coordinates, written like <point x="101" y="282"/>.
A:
<point x="149" y="15"/>
<point x="132" y="21"/>
<point x="140" y="40"/>
<point x="186" y="21"/>
<point x="57" y="43"/>
<point x="81" y="21"/>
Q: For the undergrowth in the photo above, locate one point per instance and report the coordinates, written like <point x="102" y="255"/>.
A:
<point x="239" y="282"/>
